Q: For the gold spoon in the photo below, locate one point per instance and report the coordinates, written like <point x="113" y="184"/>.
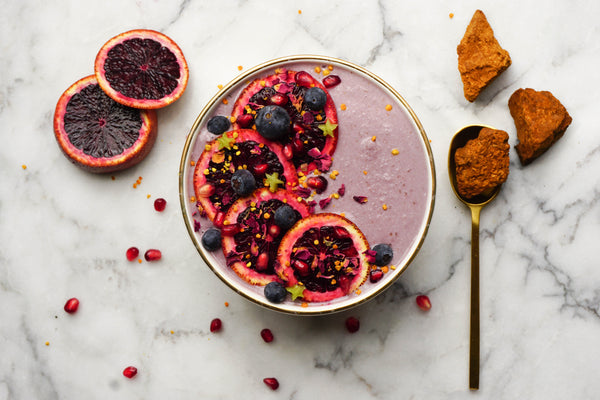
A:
<point x="476" y="203"/>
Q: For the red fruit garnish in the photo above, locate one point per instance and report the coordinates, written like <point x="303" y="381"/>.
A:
<point x="160" y="204"/>
<point x="252" y="250"/>
<point x="142" y="69"/>
<point x="423" y="302"/>
<point x="352" y="324"/>
<point x="219" y="160"/>
<point x="332" y="248"/>
<point x="132" y="253"/>
<point x="273" y="383"/>
<point x="215" y="325"/>
<point x="130" y="372"/>
<point x="331" y="80"/>
<point x="98" y="134"/>
<point x="72" y="305"/>
<point x="375" y="275"/>
<point x="152" y="255"/>
<point x="318" y="183"/>
<point x="267" y="335"/>
<point x="307" y="145"/>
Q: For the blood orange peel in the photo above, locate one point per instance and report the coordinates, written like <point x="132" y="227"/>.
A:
<point x="142" y="68"/>
<point x="324" y="253"/>
<point x="98" y="134"/>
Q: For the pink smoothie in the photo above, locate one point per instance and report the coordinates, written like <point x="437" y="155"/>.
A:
<point x="382" y="154"/>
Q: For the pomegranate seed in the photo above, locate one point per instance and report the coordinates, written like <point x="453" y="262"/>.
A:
<point x="244" y="120"/>
<point x="331" y="80"/>
<point x="375" y="275"/>
<point x="298" y="129"/>
<point x="260" y="169"/>
<point x="318" y="183"/>
<point x="160" y="204"/>
<point x="219" y="218"/>
<point x="279" y="99"/>
<point x="206" y="190"/>
<point x="288" y="151"/>
<point x="302" y="267"/>
<point x="297" y="146"/>
<point x="352" y="324"/>
<point x="341" y="232"/>
<point x="152" y="255"/>
<point x="274" y="230"/>
<point x="262" y="262"/>
<point x="423" y="302"/>
<point x="273" y="383"/>
<point x="267" y="335"/>
<point x="216" y="325"/>
<point x="344" y="282"/>
<point x="230" y="230"/>
<point x="130" y="372"/>
<point x="303" y="78"/>
<point x="132" y="253"/>
<point x="72" y="305"/>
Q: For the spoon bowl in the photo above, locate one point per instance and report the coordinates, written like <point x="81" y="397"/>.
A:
<point x="475" y="204"/>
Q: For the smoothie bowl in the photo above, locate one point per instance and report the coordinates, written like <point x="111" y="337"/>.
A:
<point x="307" y="185"/>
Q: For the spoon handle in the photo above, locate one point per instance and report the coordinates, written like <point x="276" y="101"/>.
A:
<point x="474" y="334"/>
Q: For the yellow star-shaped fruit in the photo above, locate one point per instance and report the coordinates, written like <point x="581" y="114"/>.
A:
<point x="273" y="181"/>
<point x="328" y="127"/>
<point x="296" y="291"/>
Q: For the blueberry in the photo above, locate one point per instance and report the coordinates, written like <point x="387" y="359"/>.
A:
<point x="243" y="182"/>
<point x="273" y="122"/>
<point x="218" y="124"/>
<point x="383" y="254"/>
<point x="285" y="217"/>
<point x="315" y="98"/>
<point x="211" y="240"/>
<point x="275" y="292"/>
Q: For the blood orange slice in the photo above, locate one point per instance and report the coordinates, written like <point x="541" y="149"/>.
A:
<point x="251" y="233"/>
<point x="99" y="134"/>
<point x="324" y="253"/>
<point x="313" y="137"/>
<point x="234" y="150"/>
<point x="142" y="69"/>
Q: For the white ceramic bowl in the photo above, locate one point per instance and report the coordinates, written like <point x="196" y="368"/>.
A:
<point x="400" y="186"/>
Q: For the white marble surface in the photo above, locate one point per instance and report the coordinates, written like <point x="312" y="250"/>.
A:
<point x="64" y="232"/>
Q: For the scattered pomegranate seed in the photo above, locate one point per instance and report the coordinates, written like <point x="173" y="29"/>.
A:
<point x="279" y="99"/>
<point x="303" y="78"/>
<point x="262" y="261"/>
<point x="260" y="169"/>
<point x="375" y="275"/>
<point x="423" y="302"/>
<point x="215" y="325"/>
<point x="230" y="229"/>
<point x="331" y="80"/>
<point x="153" y="255"/>
<point x="132" y="253"/>
<point x="274" y="230"/>
<point x="244" y="120"/>
<point x="288" y="151"/>
<point x="130" y="372"/>
<point x="273" y="383"/>
<point x="160" y="204"/>
<point x="318" y="183"/>
<point x="352" y="324"/>
<point x="267" y="335"/>
<point x="72" y="305"/>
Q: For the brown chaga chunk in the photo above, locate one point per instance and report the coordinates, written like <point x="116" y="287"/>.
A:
<point x="480" y="57"/>
<point x="482" y="164"/>
<point x="540" y="120"/>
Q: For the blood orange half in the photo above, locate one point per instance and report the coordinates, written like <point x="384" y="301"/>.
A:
<point x="99" y="134"/>
<point x="142" y="68"/>
<point x="234" y="150"/>
<point x="313" y="137"/>
<point x="251" y="235"/>
<point x="326" y="254"/>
